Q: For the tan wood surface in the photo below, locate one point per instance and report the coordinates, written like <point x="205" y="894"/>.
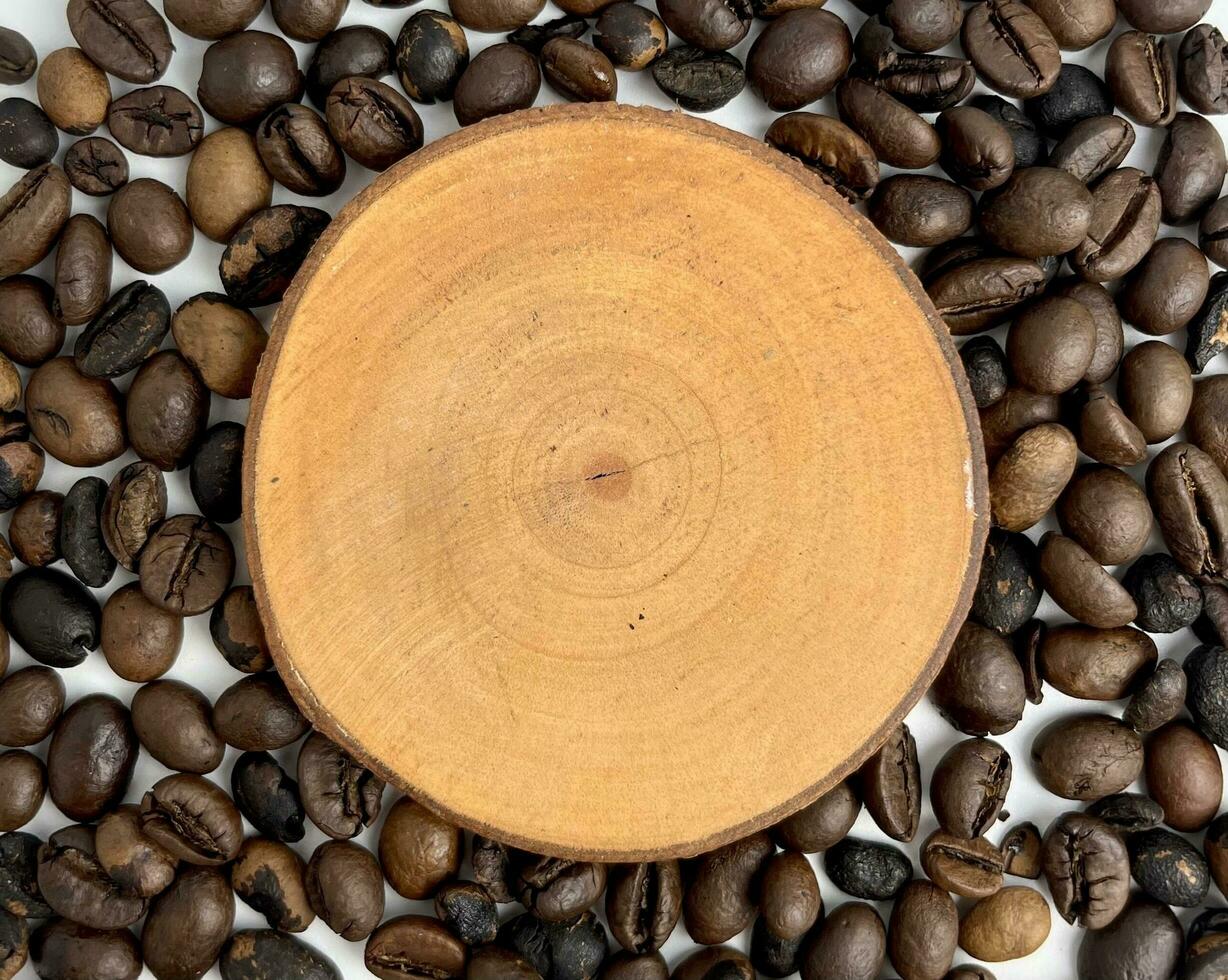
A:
<point x="610" y="484"/>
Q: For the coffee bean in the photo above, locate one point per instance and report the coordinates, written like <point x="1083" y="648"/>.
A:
<point x="62" y="948"/>
<point x="135" y="503"/>
<point x="631" y="36"/>
<point x="1096" y="664"/>
<point x="1085" y="757"/>
<point x="1215" y="848"/>
<point x="356" y="51"/>
<point x="578" y="71"/>
<point x="984" y="365"/>
<point x="1206" y="670"/>
<point x="468" y="911"/>
<point x="96" y="166"/>
<point x="77" y="419"/>
<point x="851" y="943"/>
<point x="267" y="250"/>
<point x="771" y="955"/>
<point x="1077" y="94"/>
<point x="252" y="954"/>
<point x="492" y="868"/>
<point x="227" y="184"/>
<point x="27" y="137"/>
<point x="556" y="890"/>
<point x="1050" y="346"/>
<point x="24" y="783"/>
<point x="31" y="701"/>
<point x="1092" y="147"/>
<point x="187" y="565"/>
<point x="977" y="150"/>
<point x="257" y="714"/>
<point x="890" y="782"/>
<point x="140" y="641"/>
<point x="1167" y="18"/>
<point x="1007" y="591"/>
<point x="419" y="851"/>
<point x="167" y="411"/>
<point x="828" y="148"/>
<point x="569" y="951"/>
<point x="713" y="25"/>
<point x="1125" y="220"/>
<point x="73" y="91"/>
<point x="923" y="82"/>
<point x="923" y="931"/>
<point x="268" y="876"/>
<point x="534" y="37"/>
<point x="298" y="151"/>
<point x="340" y="795"/>
<point x="1167" y="598"/>
<point x="211" y="19"/>
<point x="1205" y="422"/>
<point x="698" y="80"/>
<point x="127" y="38"/>
<point x="1158" y="699"/>
<point x="173" y="722"/>
<point x="923" y="25"/>
<point x="1205" y="338"/>
<point x="1213" y="233"/>
<point x="897" y="135"/>
<point x="1030" y="475"/>
<point x="17" y="57"/>
<point x="51" y="616"/>
<point x="1011" y="48"/>
<point x="246" y="75"/>
<point x="131" y="860"/>
<point x="969" y="786"/>
<point x="1087" y="868"/>
<point x="1201" y="75"/>
<point x="192" y="820"/>
<point x="149" y="225"/>
<point x="237" y="632"/>
<point x="372" y="122"/>
<point x="160" y="121"/>
<point x="346" y="890"/>
<point x="30" y="333"/>
<point x="1128" y="812"/>
<point x="1028" y="143"/>
<point x="1190" y="498"/>
<point x="14" y="944"/>
<point x="1140" y="74"/>
<point x="1190" y="168"/>
<point x="799" y="58"/>
<point x="308" y="20"/>
<point x="980" y="293"/>
<point x="495" y="17"/>
<point x="643" y="903"/>
<point x="496" y="963"/>
<point x="1080" y="586"/>
<point x="92" y="754"/>
<point x="720" y="898"/>
<point x="35" y="528"/>
<point x="980" y="689"/>
<point x="1107" y="513"/>
<point x="1155" y="389"/>
<point x="1008" y="925"/>
<point x="268" y="797"/>
<point x="919" y="210"/>
<point x="1075" y="28"/>
<point x="129" y="329"/>
<point x="865" y="869"/>
<point x="1038" y="211"/>
<point x="32" y="213"/>
<point x="1027" y="644"/>
<point x="21" y="467"/>
<point x="1167" y="289"/>
<point x="1145" y="942"/>
<point x="1212" y="625"/>
<point x="969" y="868"/>
<point x="189" y="923"/>
<point x="821" y="824"/>
<point x="1183" y="776"/>
<point x="414" y="945"/>
<point x="82" y="270"/>
<point x="1168" y="867"/>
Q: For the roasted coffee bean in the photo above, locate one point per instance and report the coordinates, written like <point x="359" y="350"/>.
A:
<point x="188" y="924"/>
<point x="969" y="868"/>
<point x="62" y="948"/>
<point x="828" y="148"/>
<point x="50" y="616"/>
<point x="140" y="640"/>
<point x="534" y="37"/>
<point x="308" y="20"/>
<point x="890" y="782"/>
<point x="359" y="50"/>
<point x="1190" y="168"/>
<point x="257" y="714"/>
<point x="1183" y="776"/>
<point x="852" y="943"/>
<point x="980" y="689"/>
<point x="1207" y="418"/>
<point x="799" y="58"/>
<point x="1028" y="143"/>
<point x="340" y="795"/>
<point x="216" y="482"/>
<point x="149" y="225"/>
<point x="31" y="701"/>
<point x="1076" y="27"/>
<point x="159" y="121"/>
<point x="1166" y="18"/>
<point x="431" y="55"/>
<point x="75" y="884"/>
<point x="771" y="955"/>
<point x="468" y="911"/>
<point x="419" y="851"/>
<point x="173" y="722"/>
<point x="1007" y="925"/>
<point x="1085" y="757"/>
<point x="227" y="183"/>
<point x="82" y="270"/>
<point x="246" y="75"/>
<point x="1206" y="670"/>
<point x="23" y="784"/>
<point x="21" y="467"/>
<point x="192" y="820"/>
<point x="224" y="343"/>
<point x="35" y="528"/>
<point x="1205" y="338"/>
<point x="298" y="151"/>
<point x="128" y="38"/>
<point x="135" y="504"/>
<point x="557" y="890"/>
<point x="1027" y="643"/>
<point x="721" y="896"/>
<point x="492" y="868"/>
<point x="1028" y="478"/>
<point x="1007" y="592"/>
<point x="73" y="91"/>
<point x="77" y="419"/>
<point x="789" y="903"/>
<point x="1092" y="147"/>
<point x="131" y="860"/>
<point x="1128" y="812"/>
<point x="267" y="250"/>
<point x="923" y="25"/>
<point x="500" y="79"/>
<point x="713" y="25"/>
<point x="985" y="367"/>
<point x="1096" y="664"/>
<point x="1201" y="75"/>
<point x="92" y="754"/>
<point x="1168" y="867"/>
<point x="414" y="946"/>
<point x="898" y="135"/>
<point x="643" y="903"/>
<point x="821" y="824"/>
<point x="1205" y="946"/>
<point x="167" y="411"/>
<point x="1144" y="942"/>
<point x="977" y="151"/>
<point x="1155" y="390"/>
<point x="497" y="963"/>
<point x="1107" y="513"/>
<point x="1213" y="233"/>
<point x="17" y="57"/>
<point x="865" y="869"/>
<point x="631" y="36"/>
<point x="30" y="333"/>
<point x="237" y="632"/>
<point x="1011" y="48"/>
<point x="578" y="71"/>
<point x="32" y="213"/>
<point x="919" y="210"/>
<point x="253" y="954"/>
<point x="27" y="137"/>
<point x="372" y="122"/>
<point x="923" y="931"/>
<point x="698" y="80"/>
<point x="14" y="945"/>
<point x="1190" y="497"/>
<point x="1038" y="211"/>
<point x="1140" y="74"/>
<point x="1158" y="699"/>
<point x="129" y="329"/>
<point x="969" y="786"/>
<point x="1215" y="848"/>
<point x="268" y="876"/>
<point x="346" y="890"/>
<point x="267" y="796"/>
<point x="1167" y="598"/>
<point x="1167" y="289"/>
<point x="186" y="565"/>
<point x="1212" y="626"/>
<point x="1087" y="868"/>
<point x="923" y="82"/>
<point x="1125" y="219"/>
<point x="19" y="892"/>
<point x="1051" y="344"/>
<point x="497" y="17"/>
<point x="1077" y="94"/>
<point x="981" y="293"/>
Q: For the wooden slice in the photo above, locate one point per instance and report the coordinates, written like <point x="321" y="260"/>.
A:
<point x="611" y="485"/>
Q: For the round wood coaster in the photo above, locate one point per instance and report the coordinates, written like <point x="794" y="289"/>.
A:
<point x="611" y="485"/>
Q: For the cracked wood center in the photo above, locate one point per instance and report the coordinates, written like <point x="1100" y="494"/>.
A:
<point x="610" y="484"/>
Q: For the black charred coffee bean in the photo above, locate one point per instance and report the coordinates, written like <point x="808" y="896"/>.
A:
<point x="267" y="796"/>
<point x="771" y="955"/>
<point x="1141" y="76"/>
<point x="18" y="59"/>
<point x="826" y="146"/>
<point x="192" y="820"/>
<point x="246" y="75"/>
<point x="27" y="137"/>
<point x="418" y="851"/>
<point x="1008" y="592"/>
<point x="51" y="616"/>
<point x="713" y="25"/>
<point x="253" y="954"/>
<point x="986" y="370"/>
<point x="492" y="868"/>
<point x="643" y="903"/>
<point x="346" y="889"/>
<point x="1011" y="47"/>
<point x="14" y="944"/>
<point x="257" y="714"/>
<point x="1168" y="867"/>
<point x="268" y="876"/>
<point x="129" y="329"/>
<point x="1206" y="670"/>
<point x="1167" y="598"/>
<point x="1205" y="340"/>
<point x="890" y="782"/>
<point x="969" y="785"/>
<point x="431" y="55"/>
<point x="1128" y="813"/>
<point x="19" y="891"/>
<point x="867" y="870"/>
<point x="356" y="51"/>
<point x="1077" y="94"/>
<point x="799" y="58"/>
<point x="96" y="166"/>
<point x="698" y="80"/>
<point x="127" y="38"/>
<point x="631" y="36"/>
<point x="340" y="795"/>
<point x="62" y="948"/>
<point x="468" y="911"/>
<point x="372" y="122"/>
<point x="216" y="473"/>
<point x="1029" y="144"/>
<point x="91" y="758"/>
<point x="1087" y="868"/>
<point x="534" y="37"/>
<point x="32" y="213"/>
<point x="298" y="151"/>
<point x="267" y="250"/>
<point x="160" y="121"/>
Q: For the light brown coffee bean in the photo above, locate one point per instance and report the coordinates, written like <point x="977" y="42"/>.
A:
<point x="1008" y="925"/>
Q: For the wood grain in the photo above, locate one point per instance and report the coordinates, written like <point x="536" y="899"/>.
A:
<point x="611" y="486"/>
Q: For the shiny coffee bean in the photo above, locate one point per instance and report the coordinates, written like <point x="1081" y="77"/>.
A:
<point x="192" y="820"/>
<point x="799" y="58"/>
<point x="468" y="911"/>
<point x="1096" y="664"/>
<point x="919" y="210"/>
<point x="977" y="150"/>
<point x="713" y="25"/>
<point x="867" y="870"/>
<point x="1011" y="48"/>
<point x="556" y="890"/>
<point x="898" y="135"/>
<point x="268" y="876"/>
<point x="1163" y="18"/>
<point x="308" y="20"/>
<point x="1110" y="339"/>
<point x="267" y="250"/>
<point x="1039" y="211"/>
<point x="821" y="824"/>
<point x="419" y="851"/>
<point x="246" y="75"/>
<point x="969" y="786"/>
<point x="267" y="797"/>
<point x="189" y="923"/>
<point x="297" y="149"/>
<point x="1145" y="941"/>
<point x="1125" y="219"/>
<point x="923" y="82"/>
<point x="828" y="148"/>
<point x="167" y="410"/>
<point x="1030" y="475"/>
<point x="1155" y="389"/>
<point x="1167" y="289"/>
<point x="1092" y="147"/>
<point x="92" y="754"/>
<point x="18" y="59"/>
<point x="257" y="714"/>
<point x="149" y="225"/>
<point x="1190" y="168"/>
<point x="27" y="137"/>
<point x="51" y="616"/>
<point x="62" y="948"/>
<point x="414" y="945"/>
<point x="643" y="903"/>
<point x="346" y="889"/>
<point x="980" y="690"/>
<point x="1183" y="776"/>
<point x="431" y="55"/>
<point x="1087" y="868"/>
<point x="1141" y="76"/>
<point x="131" y="860"/>
<point x="1168" y="867"/>
<point x="631" y="36"/>
<point x="969" y="868"/>
<point x="340" y="795"/>
<point x="173" y="722"/>
<point x="720" y="898"/>
<point x="127" y="38"/>
<point x="1190" y="498"/>
<point x="1201" y="77"/>
<point x="356" y="51"/>
<point x="1051" y="344"/>
<point x="253" y="954"/>
<point x="923" y="25"/>
<point x="31" y="701"/>
<point x="497" y="17"/>
<point x="698" y="80"/>
<point x="23" y="785"/>
<point x="975" y="295"/>
<point x="32" y="213"/>
<point x="1086" y="757"/>
<point x="74" y="883"/>
<point x="923" y="931"/>
<point x="1107" y="513"/>
<point x="159" y="121"/>
<point x="372" y="122"/>
<point x="578" y="71"/>
<point x="890" y="783"/>
<point x="497" y="963"/>
<point x="34" y="530"/>
<point x="1128" y="812"/>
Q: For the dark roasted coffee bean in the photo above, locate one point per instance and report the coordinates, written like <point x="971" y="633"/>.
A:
<point x="771" y="955"/>
<point x="841" y="158"/>
<point x="977" y="151"/>
<point x="1011" y="48"/>
<point x="173" y="721"/>
<point x="1125" y="219"/>
<point x="468" y="911"/>
<point x="497" y="17"/>
<point x="1184" y="776"/>
<point x="254" y="954"/>
<point x="980" y="293"/>
<point x="51" y="616"/>
<point x="268" y="876"/>
<point x="134" y="505"/>
<point x="851" y="943"/>
<point x="568" y="951"/>
<point x="1107" y="513"/>
<point x="1007" y="592"/>
<point x="129" y="329"/>
<point x="32" y="213"/>
<point x="923" y="82"/>
<point x="244" y="76"/>
<point x="919" y="210"/>
<point x="140" y="640"/>
<point x="492" y="868"/>
<point x="1128" y="812"/>
<point x="237" y="631"/>
<point x="1077" y="94"/>
<point x="698" y="80"/>
<point x="92" y="754"/>
<point x="132" y="861"/>
<point x="1096" y="664"/>
<point x="713" y="25"/>
<point x="267" y="250"/>
<point x="1087" y="868"/>
<point x="19" y="891"/>
<point x="1168" y="867"/>
<point x="1163" y="18"/>
<point x="1140" y="74"/>
<point x="167" y="410"/>
<point x="924" y="930"/>
<point x="1206" y="420"/>
<point x="1092" y="147"/>
<point x="216" y="475"/>
<point x="1201" y="73"/>
<point x="188" y="923"/>
<point x="419" y="851"/>
<point x="1212" y="626"/>
<point x="578" y="71"/>
<point x="30" y="333"/>
<point x="257" y="714"/>
<point x="414" y="946"/>
<point x="14" y="944"/>
<point x="1039" y="211"/>
<point x="1215" y="847"/>
<point x="76" y="885"/>
<point x="557" y="890"/>
<point x="631" y="36"/>
<point x="431" y="55"/>
<point x="18" y="59"/>
<point x="720" y="962"/>
<point x="267" y="796"/>
<point x="1155" y="389"/>
<point x="31" y="701"/>
<point x="497" y="963"/>
<point x="1081" y="586"/>
<point x="21" y="467"/>
<point x="372" y="122"/>
<point x="969" y="786"/>
<point x="1205" y="338"/>
<point x="1027" y="643"/>
<point x="359" y="50"/>
<point x="720" y="898"/>
<point x="1213" y="233"/>
<point x="1143" y="943"/>
<point x="898" y="136"/>
<point x="308" y="20"/>
<point x="127" y="38"/>
<point x="346" y="890"/>
<point x="1075" y="28"/>
<point x="160" y="121"/>
<point x="1206" y="670"/>
<point x="35" y="528"/>
<point x="25" y="785"/>
<point x="985" y="367"/>
<point x="149" y="225"/>
<point x="62" y="948"/>
<point x="890" y="782"/>
<point x="1168" y="599"/>
<point x="1190" y="497"/>
<point x="192" y="819"/>
<point x="534" y="37"/>
<point x="980" y="689"/>
<point x="1033" y="467"/>
<point x="969" y="868"/>
<point x="799" y="57"/>
<point x="1159" y="698"/>
<point x="1190" y="168"/>
<point x="297" y="149"/>
<point x="923" y="25"/>
<point x="340" y="795"/>
<point x="1028" y="143"/>
<point x="82" y="270"/>
<point x="96" y="166"/>
<point x="1085" y="757"/>
<point x="643" y="903"/>
<point x="1109" y="337"/>
<point x="821" y="824"/>
<point x="1167" y="289"/>
<point x="867" y="870"/>
<point x="1051" y="344"/>
<point x="27" y="137"/>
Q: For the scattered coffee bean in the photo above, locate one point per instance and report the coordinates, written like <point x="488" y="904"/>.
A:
<point x="865" y="869"/>
<point x="35" y="528"/>
<point x="23" y="780"/>
<point x="51" y="616"/>
<point x="346" y="890"/>
<point x="578" y="71"/>
<point x="308" y="20"/>
<point x="1029" y="145"/>
<point x="372" y="122"/>
<point x="980" y="293"/>
<point x="30" y="333"/>
<point x="27" y="137"/>
<point x="73" y="91"/>
<point x="1077" y="94"/>
<point x="799" y="58"/>
<point x="246" y="75"/>
<point x="62" y="948"/>
<point x="90" y="761"/>
<point x="1011" y="48"/>
<point x="414" y="944"/>
<point x="923" y="931"/>
<point x="898" y="135"/>
<point x="1096" y="664"/>
<point x="1145" y="941"/>
<point x="1168" y="599"/>
<point x="1168" y="867"/>
<point x="1086" y="757"/>
<point x="923" y="82"/>
<point x="1128" y="812"/>
<point x="534" y="37"/>
<point x="985" y="366"/>
<point x="977" y="152"/>
<point x="17" y="57"/>
<point x="149" y="225"/>
<point x="1087" y="868"/>
<point x="257" y="714"/>
<point x="1163" y="18"/>
<point x="227" y="184"/>
<point x="980" y="690"/>
<point x="216" y="475"/>
<point x="237" y="632"/>
<point x="1125" y="220"/>
<point x="340" y="795"/>
<point x="827" y="147"/>
<point x="1107" y="513"/>
<point x="468" y="911"/>
<point x="631" y="36"/>
<point x="189" y="923"/>
<point x="495" y="18"/>
<point x="918" y="210"/>
<point x="167" y="411"/>
<point x="355" y="51"/>
<point x="851" y="942"/>
<point x="419" y="851"/>
<point x="1205" y="338"/>
<point x="1158" y="699"/>
<point x="174" y="722"/>
<point x="254" y="953"/>
<point x="128" y="329"/>
<point x="821" y="824"/>
<point x="128" y="38"/>
<point x="969" y="868"/>
<point x="1201" y="77"/>
<point x="32" y="213"/>
<point x="969" y="785"/>
<point x="268" y="876"/>
<point x="31" y="701"/>
<point x="1038" y="211"/>
<point x="1183" y="776"/>
<point x="299" y="152"/>
<point x="713" y="25"/>
<point x="1190" y="168"/>
<point x="192" y="820"/>
<point x="1190" y="498"/>
<point x="267" y="796"/>
<point x="132" y="861"/>
<point x="1141" y="76"/>
<point x="1007" y="592"/>
<point x="1092" y="147"/>
<point x="1155" y="389"/>
<point x="267" y="250"/>
<point x="644" y="902"/>
<point x="160" y="121"/>
<point x="1008" y="925"/>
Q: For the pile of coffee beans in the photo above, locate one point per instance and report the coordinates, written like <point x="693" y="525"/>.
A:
<point x="961" y="130"/>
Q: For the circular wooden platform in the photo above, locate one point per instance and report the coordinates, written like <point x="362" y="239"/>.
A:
<point x="610" y="484"/>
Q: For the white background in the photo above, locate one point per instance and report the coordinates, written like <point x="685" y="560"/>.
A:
<point x="44" y="23"/>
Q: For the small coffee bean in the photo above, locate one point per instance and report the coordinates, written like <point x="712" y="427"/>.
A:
<point x="1027" y="141"/>
<point x="923" y="82"/>
<point x="1168" y="867"/>
<point x="534" y="37"/>
<point x="1190" y="498"/>
<point x="227" y="184"/>
<point x="51" y="616"/>
<point x="167" y="411"/>
<point x="73" y="91"/>
<point x="1007" y="925"/>
<point x="15" y="946"/>
<point x="1028" y="478"/>
<point x="23" y="784"/>
<point x="1080" y="586"/>
<point x="1038" y="211"/>
<point x="32" y="213"/>
<point x="257" y="714"/>
<point x="268" y="876"/>
<point x="1201" y="77"/>
<point x="1145" y="942"/>
<point x="799" y="58"/>
<point x="267" y="796"/>
<point x="129" y="329"/>
<point x="372" y="122"/>
<point x="192" y="820"/>
<point x="31" y="701"/>
<point x="1190" y="168"/>
<point x="77" y="419"/>
<point x="267" y="250"/>
<point x="222" y="342"/>
<point x="149" y="225"/>
<point x="969" y="868"/>
<point x="1158" y="699"/>
<point x="340" y="795"/>
<point x="821" y="824"/>
<point x="984" y="365"/>
<point x="96" y="166"/>
<point x="1092" y="147"/>
<point x="578" y="71"/>
<point x="898" y="135"/>
<point x="828" y="148"/>
<point x="30" y="333"/>
<point x="419" y="851"/>
<point x="1125" y="219"/>
<point x="189" y="923"/>
<point x="62" y="948"/>
<point x="237" y="632"/>
<point x="159" y="121"/>
<point x="1167" y="598"/>
<point x="308" y="20"/>
<point x="1087" y="868"/>
<point x="1155" y="389"/>
<point x="17" y="57"/>
<point x="1167" y="289"/>
<point x="1163" y="18"/>
<point x="131" y="860"/>
<point x="35" y="528"/>
<point x="173" y="722"/>
<point x="1215" y="848"/>
<point x="1076" y="28"/>
<point x="643" y="903"/>
<point x="969" y="786"/>
<point x="135" y="503"/>
<point x="977" y="151"/>
<point x="21" y="467"/>
<point x="127" y="38"/>
<point x="919" y="210"/>
<point x="631" y="36"/>
<point x="92" y="754"/>
<point x="1008" y="591"/>
<point x="82" y="270"/>
<point x="251" y="954"/>
<point x="698" y="80"/>
<point x="923" y="931"/>
<point x="1051" y="344"/>
<point x="890" y="782"/>
<point x="980" y="690"/>
<point x="1011" y="48"/>
<point x="1141" y="76"/>
<point x="974" y="295"/>
<point x="246" y="75"/>
<point x="851" y="943"/>
<point x="299" y="152"/>
<point x="27" y="137"/>
<point x="1096" y="664"/>
<point x="1085" y="757"/>
<point x="866" y="870"/>
<point x="346" y="890"/>
<point x="713" y="25"/>
<point x="1107" y="513"/>
<point x="356" y="51"/>
<point x="19" y="892"/>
